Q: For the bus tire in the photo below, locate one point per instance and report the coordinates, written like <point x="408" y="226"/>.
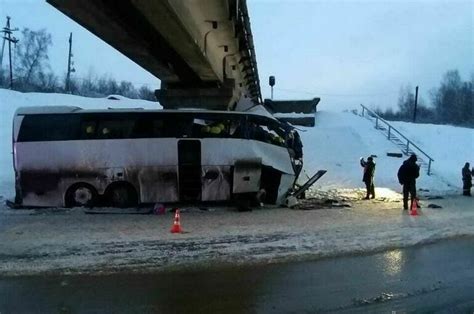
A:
<point x="81" y="195"/>
<point x="121" y="195"/>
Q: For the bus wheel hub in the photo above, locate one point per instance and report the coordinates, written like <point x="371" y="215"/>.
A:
<point x="83" y="196"/>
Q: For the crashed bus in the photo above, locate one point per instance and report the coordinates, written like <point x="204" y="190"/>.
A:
<point x="68" y="156"/>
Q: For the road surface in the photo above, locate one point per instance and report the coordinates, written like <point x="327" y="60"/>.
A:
<point x="430" y="278"/>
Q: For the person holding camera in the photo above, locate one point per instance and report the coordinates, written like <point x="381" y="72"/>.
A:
<point x="368" y="177"/>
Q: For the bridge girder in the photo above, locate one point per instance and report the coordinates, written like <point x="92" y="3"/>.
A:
<point x="188" y="44"/>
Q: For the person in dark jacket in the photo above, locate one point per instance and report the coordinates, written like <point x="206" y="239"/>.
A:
<point x="466" y="180"/>
<point x="368" y="178"/>
<point x="407" y="175"/>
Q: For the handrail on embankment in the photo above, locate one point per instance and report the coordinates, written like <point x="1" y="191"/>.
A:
<point x="391" y="130"/>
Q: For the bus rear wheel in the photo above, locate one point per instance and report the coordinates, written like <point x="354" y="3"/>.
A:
<point x="81" y="195"/>
<point x="121" y="196"/>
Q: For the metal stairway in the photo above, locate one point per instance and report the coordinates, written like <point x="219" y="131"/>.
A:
<point x="406" y="146"/>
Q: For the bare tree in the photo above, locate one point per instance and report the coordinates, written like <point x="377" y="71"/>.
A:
<point x="32" y="55"/>
<point x="146" y="94"/>
<point x="48" y="82"/>
<point x="453" y="100"/>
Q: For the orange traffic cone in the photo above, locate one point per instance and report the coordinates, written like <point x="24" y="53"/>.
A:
<point x="414" y="206"/>
<point x="176" y="228"/>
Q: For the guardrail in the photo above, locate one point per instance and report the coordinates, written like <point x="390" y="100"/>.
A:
<point x="391" y="130"/>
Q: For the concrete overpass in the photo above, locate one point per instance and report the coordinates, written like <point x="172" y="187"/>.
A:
<point x="201" y="50"/>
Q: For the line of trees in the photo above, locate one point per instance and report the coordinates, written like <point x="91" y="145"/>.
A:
<point x="33" y="73"/>
<point x="452" y="102"/>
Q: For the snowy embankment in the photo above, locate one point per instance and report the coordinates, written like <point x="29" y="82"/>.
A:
<point x="451" y="147"/>
<point x="338" y="141"/>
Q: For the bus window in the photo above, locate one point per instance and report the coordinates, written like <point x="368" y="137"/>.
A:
<point x="213" y="128"/>
<point x="236" y="130"/>
<point x="158" y="128"/>
<point x="178" y="126"/>
<point x="115" y="128"/>
<point x="49" y="127"/>
<point x="148" y="127"/>
<point x="88" y="130"/>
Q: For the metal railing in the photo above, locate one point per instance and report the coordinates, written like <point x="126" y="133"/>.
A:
<point x="391" y="130"/>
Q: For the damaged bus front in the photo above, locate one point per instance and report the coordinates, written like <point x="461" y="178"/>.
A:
<point x="67" y="156"/>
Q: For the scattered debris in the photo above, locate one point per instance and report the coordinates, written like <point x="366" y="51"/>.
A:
<point x="398" y="155"/>
<point x="434" y="197"/>
<point x="121" y="211"/>
<point x="314" y="203"/>
<point x="434" y="206"/>
<point x="159" y="209"/>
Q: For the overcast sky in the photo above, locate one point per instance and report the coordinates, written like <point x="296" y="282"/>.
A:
<point x="346" y="52"/>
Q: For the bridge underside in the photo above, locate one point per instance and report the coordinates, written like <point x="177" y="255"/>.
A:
<point x="201" y="50"/>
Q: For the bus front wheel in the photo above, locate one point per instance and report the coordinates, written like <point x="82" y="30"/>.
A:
<point x="121" y="196"/>
<point x="81" y="195"/>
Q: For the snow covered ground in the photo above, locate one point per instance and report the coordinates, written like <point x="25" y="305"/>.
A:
<point x="451" y="147"/>
<point x="339" y="139"/>
<point x="70" y="241"/>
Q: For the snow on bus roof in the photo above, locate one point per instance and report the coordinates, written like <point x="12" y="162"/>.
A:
<point x="46" y="109"/>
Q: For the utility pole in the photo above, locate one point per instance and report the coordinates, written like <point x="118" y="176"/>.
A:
<point x="416" y="103"/>
<point x="3" y="46"/>
<point x="70" y="64"/>
<point x="7" y="36"/>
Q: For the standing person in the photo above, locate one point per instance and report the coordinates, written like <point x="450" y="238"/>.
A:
<point x="407" y="174"/>
<point x="466" y="180"/>
<point x="368" y="178"/>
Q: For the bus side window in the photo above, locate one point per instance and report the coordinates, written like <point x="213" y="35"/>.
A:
<point x="49" y="127"/>
<point x="178" y="127"/>
<point x="236" y="129"/>
<point x="143" y="128"/>
<point x="116" y="128"/>
<point x="147" y="127"/>
<point x="158" y="128"/>
<point x="89" y="130"/>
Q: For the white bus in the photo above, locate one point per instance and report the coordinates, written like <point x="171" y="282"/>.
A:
<point x="68" y="156"/>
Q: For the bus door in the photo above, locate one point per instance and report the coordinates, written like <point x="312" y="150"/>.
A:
<point x="189" y="169"/>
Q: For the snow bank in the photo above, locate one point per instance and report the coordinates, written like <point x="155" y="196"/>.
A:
<point x="338" y="141"/>
<point x="451" y="147"/>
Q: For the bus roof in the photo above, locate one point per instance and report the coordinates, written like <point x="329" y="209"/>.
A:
<point x="74" y="109"/>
